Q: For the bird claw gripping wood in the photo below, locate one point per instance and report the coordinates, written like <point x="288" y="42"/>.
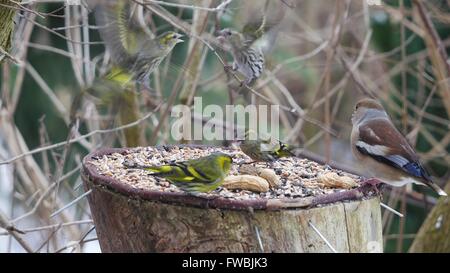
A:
<point x="229" y="68"/>
<point x="246" y="163"/>
<point x="371" y="183"/>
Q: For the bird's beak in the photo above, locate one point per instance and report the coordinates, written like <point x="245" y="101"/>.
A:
<point x="178" y="38"/>
<point x="222" y="33"/>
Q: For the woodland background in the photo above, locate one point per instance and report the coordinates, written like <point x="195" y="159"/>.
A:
<point x="328" y="55"/>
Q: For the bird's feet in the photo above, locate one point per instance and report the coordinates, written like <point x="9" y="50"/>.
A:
<point x="373" y="183"/>
<point x="228" y="68"/>
<point x="130" y="164"/>
<point x="246" y="162"/>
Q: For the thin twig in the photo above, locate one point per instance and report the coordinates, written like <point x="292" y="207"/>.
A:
<point x="432" y="31"/>
<point x="22" y="7"/>
<point x="321" y="236"/>
<point x="53" y="233"/>
<point x="76" y="243"/>
<point x="58" y="34"/>
<point x="79" y="242"/>
<point x="391" y="210"/>
<point x="73" y="140"/>
<point x="36" y="229"/>
<point x="219" y="8"/>
<point x="6" y="224"/>
<point x="258" y="236"/>
<point x="47" y="90"/>
<point x="76" y="200"/>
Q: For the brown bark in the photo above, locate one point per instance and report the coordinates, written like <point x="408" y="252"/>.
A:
<point x="129" y="112"/>
<point x="6" y="27"/>
<point x="132" y="220"/>
<point x="434" y="235"/>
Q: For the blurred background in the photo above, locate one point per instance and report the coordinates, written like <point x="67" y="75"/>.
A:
<point x="321" y="57"/>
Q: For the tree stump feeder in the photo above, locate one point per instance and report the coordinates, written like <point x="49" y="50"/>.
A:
<point x="134" y="217"/>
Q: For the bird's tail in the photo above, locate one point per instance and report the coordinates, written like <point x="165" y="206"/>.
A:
<point x="154" y="170"/>
<point x="436" y="188"/>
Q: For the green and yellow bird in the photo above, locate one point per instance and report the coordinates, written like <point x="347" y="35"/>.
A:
<point x="135" y="55"/>
<point x="266" y="150"/>
<point x="194" y="176"/>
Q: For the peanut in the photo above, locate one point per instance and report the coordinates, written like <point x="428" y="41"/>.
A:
<point x="246" y="182"/>
<point x="333" y="180"/>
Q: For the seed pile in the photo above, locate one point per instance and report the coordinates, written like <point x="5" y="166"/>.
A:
<point x="299" y="177"/>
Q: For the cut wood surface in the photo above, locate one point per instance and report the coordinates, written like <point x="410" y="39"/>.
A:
<point x="138" y="221"/>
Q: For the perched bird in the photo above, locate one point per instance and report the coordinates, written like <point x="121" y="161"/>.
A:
<point x="256" y="39"/>
<point x="383" y="150"/>
<point x="196" y="175"/>
<point x="247" y="59"/>
<point x="135" y="55"/>
<point x="264" y="150"/>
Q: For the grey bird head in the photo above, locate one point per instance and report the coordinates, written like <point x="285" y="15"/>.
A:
<point x="367" y="108"/>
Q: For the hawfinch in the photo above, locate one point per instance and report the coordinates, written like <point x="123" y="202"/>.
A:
<point x="383" y="150"/>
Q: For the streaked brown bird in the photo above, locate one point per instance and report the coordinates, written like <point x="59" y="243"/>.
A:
<point x="248" y="46"/>
<point x="247" y="59"/>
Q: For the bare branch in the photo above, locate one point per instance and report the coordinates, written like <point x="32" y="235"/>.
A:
<point x="219" y="8"/>
<point x="6" y="224"/>
<point x="73" y="140"/>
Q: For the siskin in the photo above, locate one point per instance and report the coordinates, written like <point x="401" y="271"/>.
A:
<point x="134" y="53"/>
<point x="248" y="60"/>
<point x="196" y="175"/>
<point x="265" y="150"/>
<point x="247" y="46"/>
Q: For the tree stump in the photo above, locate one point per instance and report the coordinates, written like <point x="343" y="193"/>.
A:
<point x="130" y="219"/>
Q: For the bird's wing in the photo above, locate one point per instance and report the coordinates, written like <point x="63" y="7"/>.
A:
<point x="262" y="27"/>
<point x="379" y="139"/>
<point x="176" y="172"/>
<point x="122" y="37"/>
<point x="110" y="22"/>
<point x="205" y="169"/>
<point x="255" y="32"/>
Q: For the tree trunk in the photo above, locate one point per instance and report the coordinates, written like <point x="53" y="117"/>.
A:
<point x="6" y="27"/>
<point x="132" y="220"/>
<point x="434" y="235"/>
<point x="128" y="113"/>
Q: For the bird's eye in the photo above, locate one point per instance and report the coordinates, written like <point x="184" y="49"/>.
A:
<point x="227" y="32"/>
